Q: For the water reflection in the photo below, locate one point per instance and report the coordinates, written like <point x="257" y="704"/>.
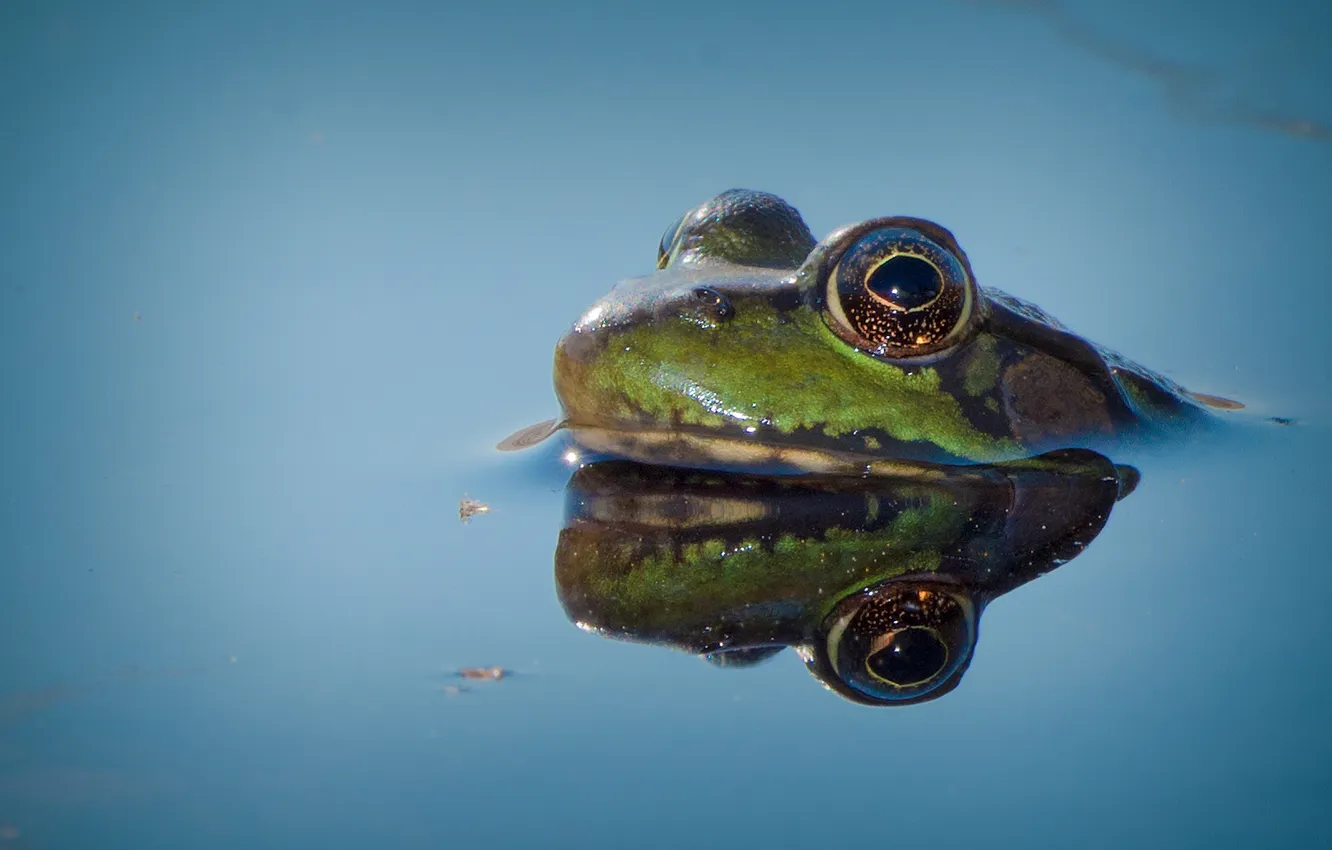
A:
<point x="877" y="583"/>
<point x="18" y="705"/>
<point x="1191" y="92"/>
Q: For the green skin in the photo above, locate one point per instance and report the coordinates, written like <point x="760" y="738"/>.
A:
<point x="738" y="566"/>
<point x="732" y="340"/>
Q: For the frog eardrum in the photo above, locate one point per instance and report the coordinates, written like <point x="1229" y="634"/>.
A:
<point x="900" y="290"/>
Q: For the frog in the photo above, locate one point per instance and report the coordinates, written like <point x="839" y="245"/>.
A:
<point x="755" y="346"/>
<point x="877" y="583"/>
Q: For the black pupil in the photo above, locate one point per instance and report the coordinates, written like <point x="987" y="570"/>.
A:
<point x="908" y="282"/>
<point x="913" y="656"/>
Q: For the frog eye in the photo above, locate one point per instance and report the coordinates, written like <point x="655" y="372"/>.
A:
<point x="899" y="294"/>
<point x="896" y="643"/>
<point x="667" y="243"/>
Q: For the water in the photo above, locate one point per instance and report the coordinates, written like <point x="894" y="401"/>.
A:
<point x="274" y="280"/>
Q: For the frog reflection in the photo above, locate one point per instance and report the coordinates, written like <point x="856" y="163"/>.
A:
<point x="878" y="583"/>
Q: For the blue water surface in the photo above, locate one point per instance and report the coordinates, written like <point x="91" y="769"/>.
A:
<point x="275" y="277"/>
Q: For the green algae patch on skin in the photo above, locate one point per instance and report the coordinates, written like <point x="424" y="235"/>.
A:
<point x="982" y="367"/>
<point x="780" y="370"/>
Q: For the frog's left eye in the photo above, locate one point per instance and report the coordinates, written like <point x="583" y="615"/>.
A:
<point x="897" y="293"/>
<point x="900" y="643"/>
<point x="667" y="243"/>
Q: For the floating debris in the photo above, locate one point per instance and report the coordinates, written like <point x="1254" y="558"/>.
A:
<point x="1281" y="420"/>
<point x="529" y="436"/>
<point x="490" y="674"/>
<point x="454" y="690"/>
<point x="468" y="508"/>
<point x="1216" y="401"/>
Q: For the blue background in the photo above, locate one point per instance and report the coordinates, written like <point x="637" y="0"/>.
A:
<point x="274" y="278"/>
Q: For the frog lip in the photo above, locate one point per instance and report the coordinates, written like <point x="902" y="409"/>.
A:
<point x="702" y="448"/>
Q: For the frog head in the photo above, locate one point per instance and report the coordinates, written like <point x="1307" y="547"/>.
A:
<point x="754" y="346"/>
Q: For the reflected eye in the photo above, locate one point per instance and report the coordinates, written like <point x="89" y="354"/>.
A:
<point x="897" y="293"/>
<point x="908" y="657"/>
<point x="900" y="642"/>
<point x="668" y="243"/>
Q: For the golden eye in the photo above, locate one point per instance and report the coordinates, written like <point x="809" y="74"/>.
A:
<point x="899" y="294"/>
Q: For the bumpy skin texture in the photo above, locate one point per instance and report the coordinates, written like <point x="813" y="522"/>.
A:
<point x="736" y="338"/>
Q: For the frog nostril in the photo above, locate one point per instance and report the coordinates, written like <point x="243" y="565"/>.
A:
<point x="717" y="305"/>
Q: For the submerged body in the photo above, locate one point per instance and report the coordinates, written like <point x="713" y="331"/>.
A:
<point x="753" y="345"/>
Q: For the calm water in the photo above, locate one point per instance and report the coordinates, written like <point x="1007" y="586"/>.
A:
<point x="274" y="279"/>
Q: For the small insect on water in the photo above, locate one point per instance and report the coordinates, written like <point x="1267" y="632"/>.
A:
<point x="469" y="507"/>
<point x="492" y="674"/>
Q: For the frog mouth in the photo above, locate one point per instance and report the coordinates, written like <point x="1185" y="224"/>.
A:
<point x="703" y="449"/>
<point x="699" y="448"/>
